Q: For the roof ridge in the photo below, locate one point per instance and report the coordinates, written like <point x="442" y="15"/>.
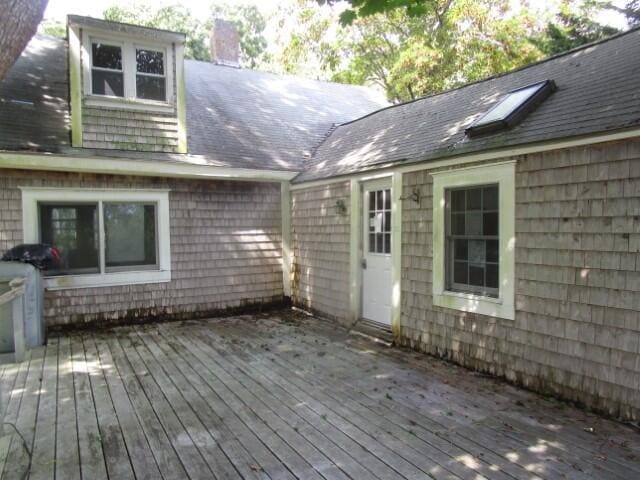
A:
<point x="287" y="75"/>
<point x="499" y="75"/>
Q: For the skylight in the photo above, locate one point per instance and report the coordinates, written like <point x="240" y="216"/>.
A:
<point x="512" y="109"/>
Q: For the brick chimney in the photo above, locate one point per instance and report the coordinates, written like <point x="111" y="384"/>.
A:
<point x="225" y="43"/>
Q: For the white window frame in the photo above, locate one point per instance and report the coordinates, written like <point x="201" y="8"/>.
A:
<point x="32" y="196"/>
<point x="129" y="69"/>
<point x="503" y="174"/>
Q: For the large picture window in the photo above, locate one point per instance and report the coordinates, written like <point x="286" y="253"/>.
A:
<point x="474" y="239"/>
<point x="105" y="237"/>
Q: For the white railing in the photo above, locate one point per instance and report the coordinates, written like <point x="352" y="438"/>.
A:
<point x="15" y="297"/>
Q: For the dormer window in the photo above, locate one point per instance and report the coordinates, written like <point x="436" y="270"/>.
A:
<point x="129" y="71"/>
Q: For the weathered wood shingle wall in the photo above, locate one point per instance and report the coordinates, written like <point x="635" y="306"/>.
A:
<point x="577" y="326"/>
<point x="226" y="248"/>
<point x="320" y="245"/>
<point x="122" y="129"/>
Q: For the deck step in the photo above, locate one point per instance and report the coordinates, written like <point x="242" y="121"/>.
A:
<point x="375" y="331"/>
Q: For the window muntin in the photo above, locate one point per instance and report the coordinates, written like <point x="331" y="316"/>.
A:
<point x="73" y="229"/>
<point x="379" y="221"/>
<point x="130" y="236"/>
<point x="107" y="74"/>
<point x="472" y="240"/>
<point x="150" y="75"/>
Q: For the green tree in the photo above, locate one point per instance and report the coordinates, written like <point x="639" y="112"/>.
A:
<point x="54" y="28"/>
<point x="574" y="26"/>
<point x="365" y="8"/>
<point x="409" y="55"/>
<point x="631" y="11"/>
<point x="175" y="18"/>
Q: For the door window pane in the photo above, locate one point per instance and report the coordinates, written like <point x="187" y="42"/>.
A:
<point x="73" y="230"/>
<point x="130" y="234"/>
<point x="379" y="218"/>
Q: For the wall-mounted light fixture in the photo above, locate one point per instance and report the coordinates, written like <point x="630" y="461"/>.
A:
<point x="341" y="207"/>
<point x="414" y="195"/>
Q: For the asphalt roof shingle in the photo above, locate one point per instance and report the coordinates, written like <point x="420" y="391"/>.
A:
<point x="598" y="91"/>
<point x="249" y="119"/>
<point x="235" y="117"/>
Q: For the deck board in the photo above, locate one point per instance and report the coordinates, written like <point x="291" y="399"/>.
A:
<point x="284" y="396"/>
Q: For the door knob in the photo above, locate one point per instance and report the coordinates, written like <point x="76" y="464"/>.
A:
<point x="364" y="263"/>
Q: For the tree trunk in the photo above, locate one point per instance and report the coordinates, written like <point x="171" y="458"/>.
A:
<point x="19" y="20"/>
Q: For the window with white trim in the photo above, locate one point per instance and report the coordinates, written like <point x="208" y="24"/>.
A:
<point x="105" y="237"/>
<point x="123" y="69"/>
<point x="474" y="239"/>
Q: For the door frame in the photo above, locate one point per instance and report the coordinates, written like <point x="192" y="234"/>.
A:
<point x="356" y="246"/>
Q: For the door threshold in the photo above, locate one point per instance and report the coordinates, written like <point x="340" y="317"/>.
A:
<point x="379" y="332"/>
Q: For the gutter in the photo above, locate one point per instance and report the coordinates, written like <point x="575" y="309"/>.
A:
<point x="148" y="168"/>
<point x="386" y="169"/>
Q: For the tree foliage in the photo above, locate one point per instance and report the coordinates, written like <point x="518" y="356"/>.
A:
<point x="409" y="55"/>
<point x="175" y="18"/>
<point x="574" y="25"/>
<point x="247" y="18"/>
<point x="365" y="8"/>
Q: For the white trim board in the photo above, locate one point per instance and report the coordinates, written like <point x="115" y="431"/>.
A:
<point x="462" y="159"/>
<point x="31" y="196"/>
<point x="127" y="166"/>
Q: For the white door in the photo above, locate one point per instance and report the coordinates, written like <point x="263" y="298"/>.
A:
<point x="376" y="260"/>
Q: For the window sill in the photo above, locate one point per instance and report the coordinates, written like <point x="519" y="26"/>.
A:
<point x="128" y="104"/>
<point x="66" y="282"/>
<point x="467" y="302"/>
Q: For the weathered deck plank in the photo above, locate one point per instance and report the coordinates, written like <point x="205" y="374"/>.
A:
<point x="44" y="447"/>
<point x="264" y="398"/>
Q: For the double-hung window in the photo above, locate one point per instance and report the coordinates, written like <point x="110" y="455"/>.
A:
<point x="104" y="237"/>
<point x="474" y="239"/>
<point x="471" y="246"/>
<point x="129" y="71"/>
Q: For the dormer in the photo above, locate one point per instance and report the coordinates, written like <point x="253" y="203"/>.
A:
<point x="127" y="87"/>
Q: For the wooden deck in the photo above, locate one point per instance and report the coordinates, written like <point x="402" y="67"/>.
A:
<point x="284" y="397"/>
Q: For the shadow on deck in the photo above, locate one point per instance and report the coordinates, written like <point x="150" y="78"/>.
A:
<point x="283" y="396"/>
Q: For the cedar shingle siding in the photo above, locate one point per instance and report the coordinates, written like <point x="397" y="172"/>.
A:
<point x="320" y="246"/>
<point x="577" y="327"/>
<point x="129" y="130"/>
<point x="226" y="248"/>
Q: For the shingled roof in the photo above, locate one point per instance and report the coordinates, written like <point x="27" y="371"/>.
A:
<point x="248" y="119"/>
<point x="598" y="91"/>
<point x="235" y="117"/>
